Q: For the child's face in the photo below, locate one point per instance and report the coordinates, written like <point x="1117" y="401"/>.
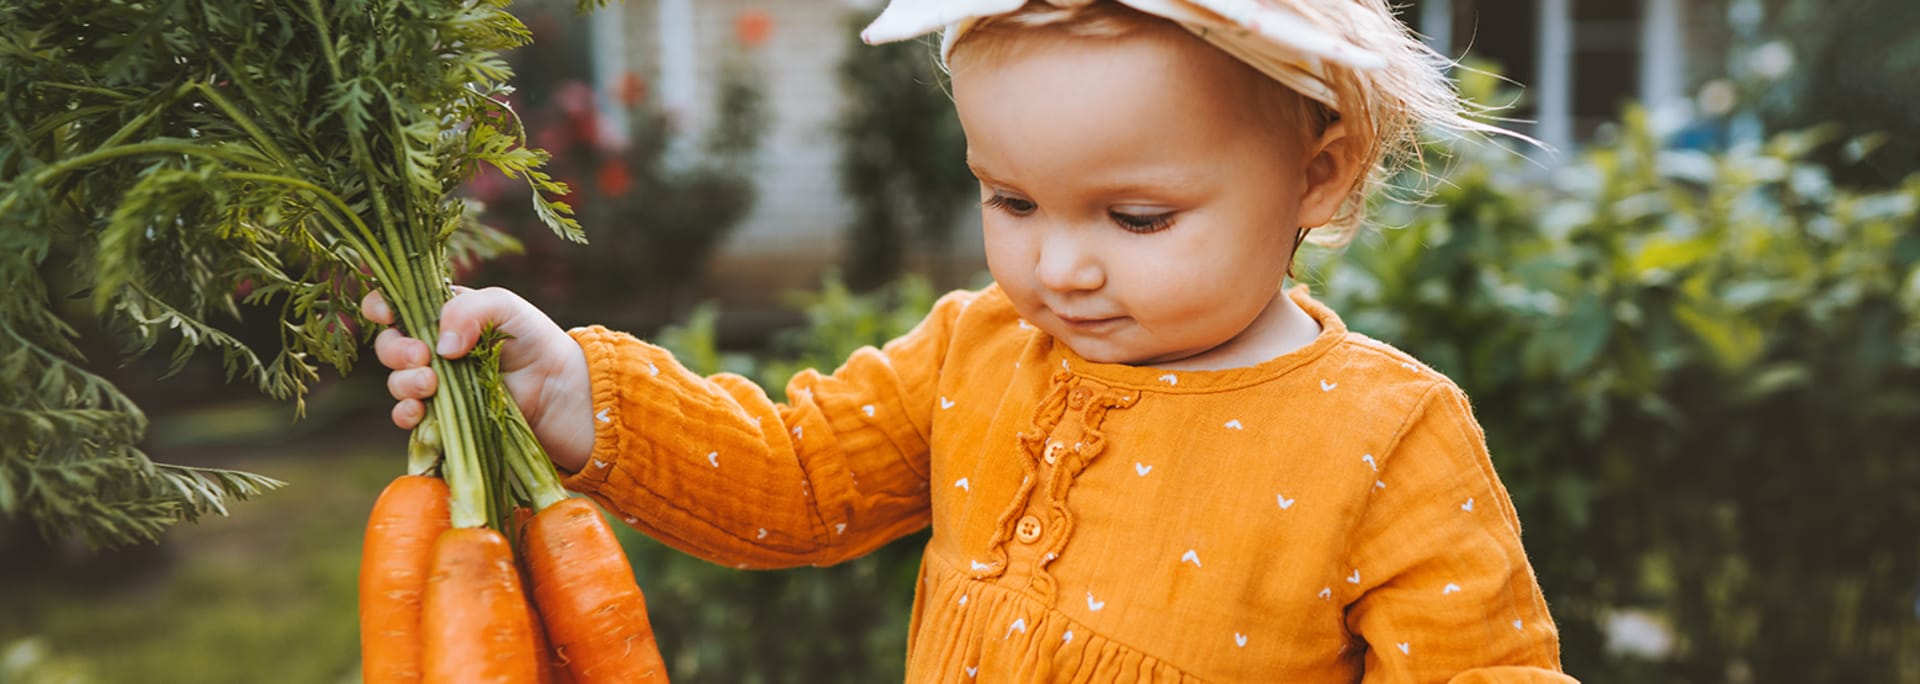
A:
<point x="1136" y="206"/>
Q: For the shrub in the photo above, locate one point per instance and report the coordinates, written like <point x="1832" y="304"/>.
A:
<point x="656" y="201"/>
<point x="1700" y="379"/>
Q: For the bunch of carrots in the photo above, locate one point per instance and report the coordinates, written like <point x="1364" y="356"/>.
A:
<point x="301" y="151"/>
<point x="442" y="598"/>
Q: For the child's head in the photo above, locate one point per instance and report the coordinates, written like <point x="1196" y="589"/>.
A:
<point x="1145" y="190"/>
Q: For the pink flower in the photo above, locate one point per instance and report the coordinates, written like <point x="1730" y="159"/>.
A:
<point x="574" y="97"/>
<point x="554" y="138"/>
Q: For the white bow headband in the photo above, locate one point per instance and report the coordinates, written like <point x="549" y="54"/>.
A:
<point x="1277" y="40"/>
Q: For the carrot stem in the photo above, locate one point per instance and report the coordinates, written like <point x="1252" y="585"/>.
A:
<point x="423" y="446"/>
<point x="530" y="465"/>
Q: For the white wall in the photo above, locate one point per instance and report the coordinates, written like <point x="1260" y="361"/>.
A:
<point x="794" y="231"/>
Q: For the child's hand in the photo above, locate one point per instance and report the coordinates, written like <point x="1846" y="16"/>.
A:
<point x="544" y="369"/>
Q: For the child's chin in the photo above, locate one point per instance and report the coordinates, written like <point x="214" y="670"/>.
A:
<point x="1097" y="352"/>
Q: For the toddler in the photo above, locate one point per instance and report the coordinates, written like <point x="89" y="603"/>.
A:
<point x="1143" y="457"/>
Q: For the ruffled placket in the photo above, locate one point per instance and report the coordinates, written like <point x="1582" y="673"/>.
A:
<point x="1064" y="438"/>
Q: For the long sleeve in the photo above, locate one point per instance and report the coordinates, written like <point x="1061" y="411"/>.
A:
<point x="1449" y="595"/>
<point x="714" y="467"/>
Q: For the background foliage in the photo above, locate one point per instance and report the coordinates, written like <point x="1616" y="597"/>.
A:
<point x="1855" y="65"/>
<point x="656" y="202"/>
<point x="1699" y="375"/>
<point x="903" y="153"/>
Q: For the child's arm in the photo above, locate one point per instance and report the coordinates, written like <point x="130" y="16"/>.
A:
<point x="1448" y="593"/>
<point x="714" y="467"/>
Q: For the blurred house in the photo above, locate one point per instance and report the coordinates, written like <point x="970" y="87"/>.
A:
<point x="1582" y="61"/>
<point x="795" y="231"/>
<point x="1579" y="63"/>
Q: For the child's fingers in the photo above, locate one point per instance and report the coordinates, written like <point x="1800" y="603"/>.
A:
<point x="399" y="352"/>
<point x="412" y="383"/>
<point x="467" y="312"/>
<point x="408" y="413"/>
<point x="375" y="308"/>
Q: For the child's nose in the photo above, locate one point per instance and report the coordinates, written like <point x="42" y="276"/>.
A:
<point x="1067" y="265"/>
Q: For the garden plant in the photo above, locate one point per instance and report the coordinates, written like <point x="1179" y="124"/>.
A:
<point x="170" y="156"/>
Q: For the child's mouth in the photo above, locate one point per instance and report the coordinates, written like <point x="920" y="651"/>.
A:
<point x="1091" y="325"/>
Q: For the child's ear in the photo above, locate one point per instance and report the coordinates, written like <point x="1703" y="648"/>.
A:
<point x="1333" y="166"/>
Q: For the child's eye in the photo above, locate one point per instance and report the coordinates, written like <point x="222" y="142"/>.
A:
<point x="1137" y="223"/>
<point x="1011" y="205"/>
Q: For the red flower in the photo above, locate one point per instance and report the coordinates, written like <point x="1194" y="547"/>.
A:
<point x="633" y="90"/>
<point x="615" y="179"/>
<point x="586" y="128"/>
<point x="752" y="27"/>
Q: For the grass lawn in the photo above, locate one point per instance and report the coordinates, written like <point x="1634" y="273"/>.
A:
<point x="266" y="595"/>
<point x="270" y="593"/>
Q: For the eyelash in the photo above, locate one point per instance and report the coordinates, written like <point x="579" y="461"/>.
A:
<point x="1141" y="224"/>
<point x="1005" y="203"/>
<point x="1128" y="222"/>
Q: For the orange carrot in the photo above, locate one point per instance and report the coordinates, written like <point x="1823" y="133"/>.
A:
<point x="395" y="558"/>
<point x="552" y="671"/>
<point x="474" y="620"/>
<point x="586" y="594"/>
<point x="541" y="652"/>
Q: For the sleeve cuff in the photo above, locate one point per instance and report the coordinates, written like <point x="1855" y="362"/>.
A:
<point x="609" y="373"/>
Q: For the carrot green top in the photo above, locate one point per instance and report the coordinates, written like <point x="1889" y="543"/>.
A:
<point x="1326" y="516"/>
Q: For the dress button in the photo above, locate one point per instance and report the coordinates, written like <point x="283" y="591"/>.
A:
<point x="1078" y="398"/>
<point x="1029" y="529"/>
<point x="1052" y="454"/>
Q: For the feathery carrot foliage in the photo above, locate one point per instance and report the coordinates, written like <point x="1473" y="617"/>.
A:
<point x="158" y="157"/>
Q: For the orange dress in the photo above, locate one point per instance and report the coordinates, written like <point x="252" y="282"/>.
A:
<point x="1330" y="515"/>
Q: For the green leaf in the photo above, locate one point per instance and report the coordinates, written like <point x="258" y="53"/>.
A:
<point x="1586" y="328"/>
<point x="1733" y="342"/>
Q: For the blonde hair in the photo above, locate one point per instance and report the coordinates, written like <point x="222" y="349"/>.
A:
<point x="1391" y="109"/>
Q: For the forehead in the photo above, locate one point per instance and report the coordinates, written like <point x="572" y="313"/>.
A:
<point x="1151" y="101"/>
